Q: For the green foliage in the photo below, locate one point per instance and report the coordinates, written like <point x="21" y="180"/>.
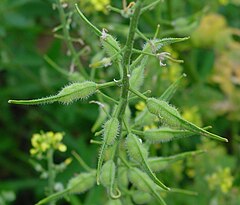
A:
<point x="88" y="67"/>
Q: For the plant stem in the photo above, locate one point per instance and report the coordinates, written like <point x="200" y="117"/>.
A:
<point x="68" y="41"/>
<point x="126" y="59"/>
<point x="51" y="174"/>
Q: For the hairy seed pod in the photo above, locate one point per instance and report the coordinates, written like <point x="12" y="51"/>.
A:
<point x="140" y="197"/>
<point x="81" y="183"/>
<point x="135" y="149"/>
<point x="163" y="110"/>
<point x="137" y="75"/>
<point x="138" y="153"/>
<point x="101" y="118"/>
<point x="170" y="91"/>
<point x="107" y="178"/>
<point x="158" y="164"/>
<point x="107" y="174"/>
<point x="111" y="46"/>
<point x="77" y="91"/>
<point x="70" y="93"/>
<point x="143" y="183"/>
<point x="165" y="134"/>
<point x="111" y="129"/>
<point x="170" y="116"/>
<point x="122" y="178"/>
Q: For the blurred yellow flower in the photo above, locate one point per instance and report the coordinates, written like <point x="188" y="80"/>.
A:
<point x="95" y="5"/>
<point x="192" y="114"/>
<point x="42" y="142"/>
<point x="140" y="105"/>
<point x="221" y="179"/>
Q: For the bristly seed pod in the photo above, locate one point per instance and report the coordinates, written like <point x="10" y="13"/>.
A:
<point x="107" y="178"/>
<point x="170" y="116"/>
<point x="138" y="153"/>
<point x="165" y="134"/>
<point x="78" y="184"/>
<point x="143" y="183"/>
<point x="110" y="132"/>
<point x="111" y="46"/>
<point x="158" y="164"/>
<point x="140" y="197"/>
<point x="68" y="94"/>
<point x="82" y="182"/>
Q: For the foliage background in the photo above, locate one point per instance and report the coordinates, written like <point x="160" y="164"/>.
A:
<point x="209" y="96"/>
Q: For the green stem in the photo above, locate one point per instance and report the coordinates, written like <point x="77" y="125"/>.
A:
<point x="81" y="161"/>
<point x="126" y="59"/>
<point x="138" y="93"/>
<point x="51" y="174"/>
<point x="69" y="43"/>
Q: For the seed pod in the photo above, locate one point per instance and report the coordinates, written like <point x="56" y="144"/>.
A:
<point x="107" y="178"/>
<point x="165" y="134"/>
<point x="101" y="118"/>
<point x="169" y="92"/>
<point x="137" y="75"/>
<point x="135" y="149"/>
<point x="140" y="197"/>
<point x="159" y="43"/>
<point x="160" y="163"/>
<point x="81" y="183"/>
<point x="111" y="46"/>
<point x="77" y="91"/>
<point x="138" y="153"/>
<point x="143" y="183"/>
<point x="170" y="116"/>
<point x="111" y="129"/>
<point x="67" y="95"/>
<point x="122" y="178"/>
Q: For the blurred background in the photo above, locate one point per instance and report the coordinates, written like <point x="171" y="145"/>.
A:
<point x="35" y="62"/>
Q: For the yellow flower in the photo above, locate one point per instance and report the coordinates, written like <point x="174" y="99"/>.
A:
<point x="62" y="147"/>
<point x="192" y="114"/>
<point x="222" y="179"/>
<point x="42" y="142"/>
<point x="95" y="5"/>
<point x="140" y="105"/>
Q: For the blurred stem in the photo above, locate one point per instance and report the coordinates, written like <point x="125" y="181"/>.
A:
<point x="169" y="9"/>
<point x="51" y="174"/>
<point x="68" y="41"/>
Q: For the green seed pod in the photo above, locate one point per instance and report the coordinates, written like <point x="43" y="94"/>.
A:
<point x="163" y="110"/>
<point x="135" y="149"/>
<point x="81" y="183"/>
<point x="160" y="163"/>
<point x="111" y="129"/>
<point x="122" y="178"/>
<point x="170" y="116"/>
<point x="101" y="118"/>
<point x="138" y="153"/>
<point x="107" y="178"/>
<point x="111" y="46"/>
<point x="170" y="91"/>
<point x="67" y="95"/>
<point x="165" y="134"/>
<point x="140" y="197"/>
<point x="137" y="75"/>
<point x="114" y="202"/>
<point x="143" y="183"/>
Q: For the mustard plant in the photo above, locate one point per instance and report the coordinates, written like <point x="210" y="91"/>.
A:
<point x="124" y="166"/>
